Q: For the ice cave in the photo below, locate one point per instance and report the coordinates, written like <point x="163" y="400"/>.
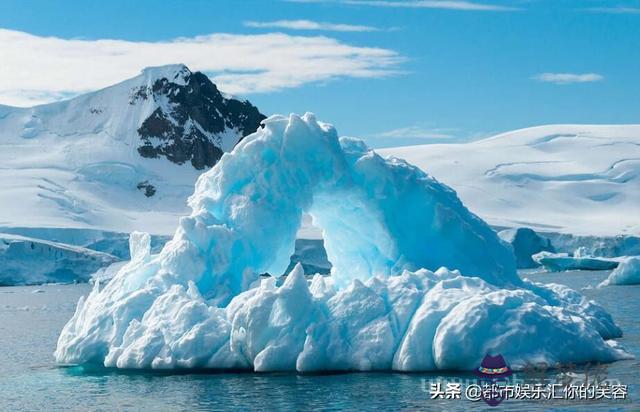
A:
<point x="418" y="282"/>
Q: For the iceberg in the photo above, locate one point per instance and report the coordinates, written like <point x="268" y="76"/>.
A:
<point x="525" y="243"/>
<point x="417" y="281"/>
<point x="627" y="272"/>
<point x="558" y="262"/>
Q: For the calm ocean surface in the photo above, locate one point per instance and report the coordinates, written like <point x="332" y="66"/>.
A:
<point x="31" y="319"/>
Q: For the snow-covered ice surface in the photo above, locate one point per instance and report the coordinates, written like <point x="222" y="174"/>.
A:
<point x="387" y="228"/>
<point x="29" y="261"/>
<point x="602" y="246"/>
<point x="558" y="262"/>
<point x="578" y="179"/>
<point x="627" y="272"/>
<point x="112" y="243"/>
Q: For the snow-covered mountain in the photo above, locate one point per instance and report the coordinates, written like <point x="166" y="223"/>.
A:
<point x="578" y="179"/>
<point x="119" y="159"/>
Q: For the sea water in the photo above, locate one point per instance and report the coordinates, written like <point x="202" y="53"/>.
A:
<point x="32" y="317"/>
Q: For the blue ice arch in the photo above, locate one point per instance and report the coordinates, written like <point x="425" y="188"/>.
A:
<point x="418" y="282"/>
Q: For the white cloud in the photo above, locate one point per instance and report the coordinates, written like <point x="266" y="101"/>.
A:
<point x="420" y="4"/>
<point x="37" y="69"/>
<point x="308" y="25"/>
<point x="615" y="10"/>
<point x="419" y="134"/>
<point x="416" y="132"/>
<point x="567" y="78"/>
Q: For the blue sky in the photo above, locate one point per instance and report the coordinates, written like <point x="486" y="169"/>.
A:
<point x="394" y="72"/>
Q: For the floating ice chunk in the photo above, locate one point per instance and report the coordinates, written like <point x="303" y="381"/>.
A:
<point x="627" y="272"/>
<point x="557" y="262"/>
<point x="386" y="225"/>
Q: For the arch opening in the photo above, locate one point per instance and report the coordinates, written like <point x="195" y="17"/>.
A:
<point x="378" y="216"/>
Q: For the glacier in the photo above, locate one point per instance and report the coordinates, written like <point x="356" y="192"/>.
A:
<point x="600" y="246"/>
<point x="417" y="283"/>
<point x="28" y="261"/>
<point x="566" y="251"/>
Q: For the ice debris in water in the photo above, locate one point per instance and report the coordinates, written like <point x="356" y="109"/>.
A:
<point x="627" y="272"/>
<point x="389" y="231"/>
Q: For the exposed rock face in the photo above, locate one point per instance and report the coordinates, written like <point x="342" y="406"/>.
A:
<point x="148" y="189"/>
<point x="194" y="121"/>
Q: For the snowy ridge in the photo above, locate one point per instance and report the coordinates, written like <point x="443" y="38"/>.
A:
<point x="387" y="228"/>
<point x="118" y="159"/>
<point x="577" y="179"/>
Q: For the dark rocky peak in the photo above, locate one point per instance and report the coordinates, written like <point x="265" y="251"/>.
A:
<point x="193" y="120"/>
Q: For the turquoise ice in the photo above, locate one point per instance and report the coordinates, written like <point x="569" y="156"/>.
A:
<point x="418" y="282"/>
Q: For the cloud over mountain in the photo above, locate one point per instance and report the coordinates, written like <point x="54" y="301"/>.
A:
<point x="37" y="69"/>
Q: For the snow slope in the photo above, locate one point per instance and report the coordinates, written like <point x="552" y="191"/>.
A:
<point x="119" y="159"/>
<point x="578" y="179"/>
<point x="387" y="227"/>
